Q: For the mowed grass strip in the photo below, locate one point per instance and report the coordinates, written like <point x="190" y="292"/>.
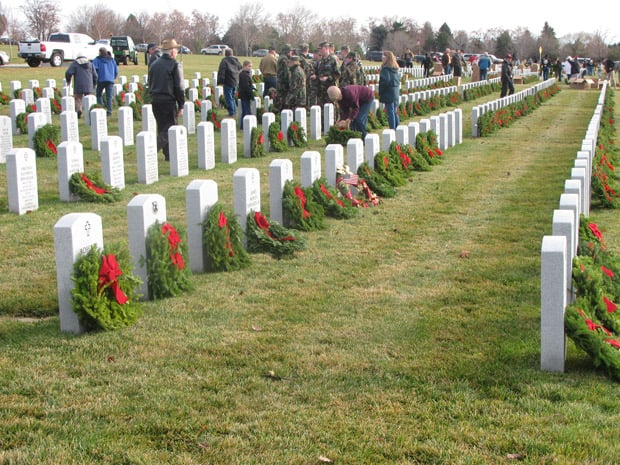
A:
<point x="407" y="335"/>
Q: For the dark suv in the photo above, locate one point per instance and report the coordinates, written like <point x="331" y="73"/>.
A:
<point x="375" y="55"/>
<point x="124" y="50"/>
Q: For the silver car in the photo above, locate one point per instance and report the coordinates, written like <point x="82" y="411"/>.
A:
<point x="4" y="57"/>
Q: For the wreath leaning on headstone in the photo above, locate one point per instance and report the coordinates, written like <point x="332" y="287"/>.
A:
<point x="166" y="249"/>
<point x="297" y="135"/>
<point x="258" y="143"/>
<point x="277" y="139"/>
<point x="45" y="141"/>
<point x="92" y="189"/>
<point x="300" y="209"/>
<point x="223" y="241"/>
<point x="271" y="238"/>
<point x="105" y="291"/>
<point x="330" y="199"/>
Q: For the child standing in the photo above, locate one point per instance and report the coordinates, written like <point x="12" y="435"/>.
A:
<point x="246" y="90"/>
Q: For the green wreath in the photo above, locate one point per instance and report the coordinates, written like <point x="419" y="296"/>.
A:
<point x="373" y="121"/>
<point x="167" y="273"/>
<point x="223" y="241"/>
<point x="596" y="340"/>
<point x="277" y="140"/>
<point x="329" y="197"/>
<point x="21" y="121"/>
<point x="257" y="144"/>
<point x="301" y="211"/>
<point x="92" y="189"/>
<point x="297" y="135"/>
<point x="212" y="117"/>
<point x="389" y="167"/>
<point x="271" y="238"/>
<point x="341" y="136"/>
<point x="431" y="154"/>
<point x="105" y="293"/>
<point x="46" y="140"/>
<point x="377" y="182"/>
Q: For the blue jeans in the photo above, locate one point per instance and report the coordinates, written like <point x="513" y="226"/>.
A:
<point x="361" y="120"/>
<point x="483" y="74"/>
<point x="270" y="82"/>
<point x="107" y="86"/>
<point x="392" y="114"/>
<point x="246" y="109"/>
<point x="229" y="98"/>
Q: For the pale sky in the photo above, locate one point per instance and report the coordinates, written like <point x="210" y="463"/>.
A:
<point x="464" y="15"/>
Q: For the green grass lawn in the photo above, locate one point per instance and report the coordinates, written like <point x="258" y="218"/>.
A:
<point x="408" y="335"/>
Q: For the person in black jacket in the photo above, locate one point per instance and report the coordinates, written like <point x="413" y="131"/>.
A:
<point x="228" y="77"/>
<point x="246" y="90"/>
<point x="508" y="87"/>
<point x="165" y="82"/>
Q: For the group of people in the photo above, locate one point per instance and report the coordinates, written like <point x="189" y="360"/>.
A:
<point x="93" y="77"/>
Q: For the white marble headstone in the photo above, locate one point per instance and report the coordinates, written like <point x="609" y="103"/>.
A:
<point x="70" y="161"/>
<point x="21" y="182"/>
<point x="206" y="145"/>
<point x="280" y="171"/>
<point x="246" y="193"/>
<point x="179" y="162"/>
<point x="146" y="147"/>
<point x="74" y="235"/>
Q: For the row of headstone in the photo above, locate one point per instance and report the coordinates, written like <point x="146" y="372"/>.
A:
<point x="502" y="102"/>
<point x="471" y="85"/>
<point x="560" y="248"/>
<point x="21" y="171"/>
<point x="76" y="233"/>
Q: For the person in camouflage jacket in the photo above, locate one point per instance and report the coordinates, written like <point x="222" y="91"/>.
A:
<point x="308" y="66"/>
<point x="351" y="71"/>
<point x="296" y="97"/>
<point x="327" y="73"/>
<point x="282" y="78"/>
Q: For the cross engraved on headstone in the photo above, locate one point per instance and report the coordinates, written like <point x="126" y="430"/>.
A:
<point x="155" y="208"/>
<point x="87" y="228"/>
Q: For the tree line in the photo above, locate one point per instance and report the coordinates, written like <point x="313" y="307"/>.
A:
<point x="252" y="28"/>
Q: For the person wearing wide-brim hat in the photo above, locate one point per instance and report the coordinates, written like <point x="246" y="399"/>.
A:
<point x="165" y="82"/>
<point x="354" y="102"/>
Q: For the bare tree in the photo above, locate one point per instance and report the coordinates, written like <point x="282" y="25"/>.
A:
<point x="295" y="25"/>
<point x="98" y="21"/>
<point x="526" y="45"/>
<point x="204" y="29"/>
<point x="343" y="31"/>
<point x="597" y="47"/>
<point x="157" y="26"/>
<point x="42" y="17"/>
<point x="244" y="29"/>
<point x="136" y="26"/>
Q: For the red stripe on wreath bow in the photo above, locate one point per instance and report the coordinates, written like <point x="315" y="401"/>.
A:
<point x="302" y="199"/>
<point x="223" y="223"/>
<point x="109" y="271"/>
<point x="262" y="223"/>
<point x="50" y="145"/>
<point x="91" y="185"/>
<point x="173" y="242"/>
<point x="611" y="307"/>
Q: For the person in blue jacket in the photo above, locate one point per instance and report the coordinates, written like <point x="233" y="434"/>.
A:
<point x="389" y="88"/>
<point x="107" y="71"/>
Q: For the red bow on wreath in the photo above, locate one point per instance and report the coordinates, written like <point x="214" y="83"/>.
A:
<point x="91" y="185"/>
<point x="173" y="241"/>
<point x="302" y="199"/>
<point x="108" y="275"/>
<point x="223" y="223"/>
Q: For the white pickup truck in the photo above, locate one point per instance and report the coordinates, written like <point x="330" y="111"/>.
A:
<point x="59" y="47"/>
